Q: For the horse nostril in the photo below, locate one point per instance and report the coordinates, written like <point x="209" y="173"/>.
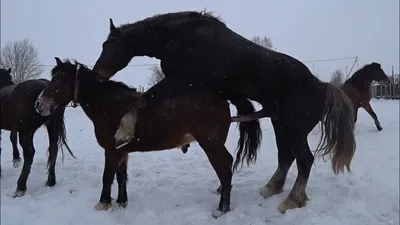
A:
<point x="36" y="104"/>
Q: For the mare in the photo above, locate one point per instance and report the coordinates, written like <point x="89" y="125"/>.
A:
<point x="18" y="115"/>
<point x="196" y="116"/>
<point x="198" y="50"/>
<point x="358" y="89"/>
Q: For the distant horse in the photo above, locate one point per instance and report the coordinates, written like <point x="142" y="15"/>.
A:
<point x="358" y="88"/>
<point x="5" y="80"/>
<point x="18" y="115"/>
<point x="197" y="50"/>
<point x="196" y="116"/>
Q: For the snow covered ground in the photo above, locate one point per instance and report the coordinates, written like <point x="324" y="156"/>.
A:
<point x="173" y="188"/>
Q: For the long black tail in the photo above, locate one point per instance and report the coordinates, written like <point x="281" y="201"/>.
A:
<point x="56" y="126"/>
<point x="250" y="134"/>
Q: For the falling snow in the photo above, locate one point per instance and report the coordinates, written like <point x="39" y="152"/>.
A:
<point x="173" y="188"/>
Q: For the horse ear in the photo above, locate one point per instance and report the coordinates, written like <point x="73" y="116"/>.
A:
<point x="113" y="29"/>
<point x="9" y="70"/>
<point x="58" y="61"/>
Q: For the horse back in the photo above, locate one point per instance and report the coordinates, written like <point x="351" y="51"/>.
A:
<point x="20" y="101"/>
<point x="195" y="113"/>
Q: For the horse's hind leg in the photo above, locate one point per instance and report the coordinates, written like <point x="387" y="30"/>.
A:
<point x="53" y="152"/>
<point x="14" y="141"/>
<point x="221" y="160"/>
<point x="26" y="141"/>
<point x="371" y="112"/>
<point x="297" y="197"/>
<point x="285" y="159"/>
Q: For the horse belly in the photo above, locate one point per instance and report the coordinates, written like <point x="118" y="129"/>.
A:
<point x="164" y="142"/>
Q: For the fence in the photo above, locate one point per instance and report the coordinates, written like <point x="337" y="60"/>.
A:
<point x="391" y="91"/>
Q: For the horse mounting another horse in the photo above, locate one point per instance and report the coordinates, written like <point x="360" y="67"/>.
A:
<point x="358" y="89"/>
<point x="197" y="50"/>
<point x="18" y="115"/>
<point x="195" y="116"/>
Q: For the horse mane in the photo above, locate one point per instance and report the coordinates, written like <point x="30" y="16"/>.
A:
<point x="173" y="18"/>
<point x="110" y="85"/>
<point x="359" y="75"/>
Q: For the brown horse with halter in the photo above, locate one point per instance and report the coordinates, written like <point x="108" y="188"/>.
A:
<point x="196" y="116"/>
<point x="358" y="88"/>
<point x="18" y="115"/>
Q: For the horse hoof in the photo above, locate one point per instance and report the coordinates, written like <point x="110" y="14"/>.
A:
<point x="122" y="204"/>
<point x="103" y="206"/>
<point x="50" y="183"/>
<point x="18" y="194"/>
<point x="267" y="192"/>
<point x="379" y="128"/>
<point x="293" y="203"/>
<point x="218" y="213"/>
<point x="17" y="162"/>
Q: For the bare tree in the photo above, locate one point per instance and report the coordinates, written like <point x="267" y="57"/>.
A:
<point x="156" y="75"/>
<point x="23" y="58"/>
<point x="265" y="42"/>
<point x="337" y="77"/>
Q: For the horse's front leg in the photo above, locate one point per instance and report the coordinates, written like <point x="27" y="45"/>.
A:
<point x="122" y="178"/>
<point x="110" y="168"/>
<point x="371" y="112"/>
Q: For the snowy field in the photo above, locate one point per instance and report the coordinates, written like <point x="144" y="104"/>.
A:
<point x="170" y="187"/>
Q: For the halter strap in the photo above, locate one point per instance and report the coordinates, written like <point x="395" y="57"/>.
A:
<point x="75" y="99"/>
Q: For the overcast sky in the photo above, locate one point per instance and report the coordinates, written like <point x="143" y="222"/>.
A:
<point x="307" y="29"/>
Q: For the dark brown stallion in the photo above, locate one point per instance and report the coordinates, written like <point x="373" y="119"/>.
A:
<point x="198" y="50"/>
<point x="196" y="116"/>
<point x="18" y="115"/>
<point x="358" y="89"/>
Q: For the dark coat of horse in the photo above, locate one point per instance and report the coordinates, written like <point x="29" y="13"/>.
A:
<point x="197" y="116"/>
<point x="19" y="116"/>
<point x="197" y="50"/>
<point x="358" y="89"/>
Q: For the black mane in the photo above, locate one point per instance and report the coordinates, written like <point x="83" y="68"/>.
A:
<point x="173" y="18"/>
<point x="363" y="71"/>
<point x="110" y="85"/>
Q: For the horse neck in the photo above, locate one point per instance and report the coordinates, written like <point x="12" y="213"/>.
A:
<point x="88" y="92"/>
<point x="360" y="82"/>
<point x="156" y="45"/>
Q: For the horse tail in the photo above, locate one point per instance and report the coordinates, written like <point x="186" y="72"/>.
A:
<point x="250" y="134"/>
<point x="56" y="128"/>
<point x="337" y="127"/>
